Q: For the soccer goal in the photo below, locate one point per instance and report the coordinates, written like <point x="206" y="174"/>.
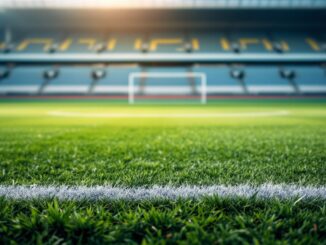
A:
<point x="167" y="86"/>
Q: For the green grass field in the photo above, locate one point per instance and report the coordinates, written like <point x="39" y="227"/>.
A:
<point x="101" y="143"/>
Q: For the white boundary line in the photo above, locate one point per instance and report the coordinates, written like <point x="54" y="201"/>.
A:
<point x="132" y="76"/>
<point x="167" y="115"/>
<point x="265" y="191"/>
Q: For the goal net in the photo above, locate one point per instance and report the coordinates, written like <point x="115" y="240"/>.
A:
<point x="167" y="87"/>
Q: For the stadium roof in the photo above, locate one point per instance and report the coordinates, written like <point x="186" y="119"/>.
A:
<point x="162" y="4"/>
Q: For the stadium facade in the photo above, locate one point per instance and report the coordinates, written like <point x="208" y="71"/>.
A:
<point x="163" y="48"/>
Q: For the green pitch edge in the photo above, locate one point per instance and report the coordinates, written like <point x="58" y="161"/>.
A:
<point x="178" y="102"/>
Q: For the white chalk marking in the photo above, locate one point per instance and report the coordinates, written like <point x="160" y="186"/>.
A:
<point x="265" y="191"/>
<point x="167" y="115"/>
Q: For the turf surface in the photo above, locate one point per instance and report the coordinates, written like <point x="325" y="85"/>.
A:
<point x="37" y="147"/>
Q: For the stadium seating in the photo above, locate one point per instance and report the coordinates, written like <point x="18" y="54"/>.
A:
<point x="266" y="80"/>
<point x="198" y="42"/>
<point x="250" y="48"/>
<point x="220" y="80"/>
<point x="310" y="79"/>
<point x="22" y="80"/>
<point x="70" y="80"/>
<point x="116" y="80"/>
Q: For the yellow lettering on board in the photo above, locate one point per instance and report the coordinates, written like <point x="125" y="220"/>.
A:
<point x="157" y="42"/>
<point x="267" y="44"/>
<point x="313" y="44"/>
<point x="65" y="44"/>
<point x="112" y="43"/>
<point x="89" y="42"/>
<point x="195" y="44"/>
<point x="46" y="42"/>
<point x="138" y="44"/>
<point x="225" y="44"/>
<point x="245" y="42"/>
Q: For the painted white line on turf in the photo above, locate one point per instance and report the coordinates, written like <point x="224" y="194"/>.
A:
<point x="167" y="115"/>
<point x="265" y="191"/>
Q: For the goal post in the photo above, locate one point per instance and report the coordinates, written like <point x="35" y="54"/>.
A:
<point x="161" y="75"/>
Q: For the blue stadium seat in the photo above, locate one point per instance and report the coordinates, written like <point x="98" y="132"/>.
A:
<point x="219" y="80"/>
<point x="251" y="42"/>
<point x="209" y="42"/>
<point x="23" y="80"/>
<point x="2" y="38"/>
<point x="125" y="42"/>
<point x="266" y="80"/>
<point x="70" y="80"/>
<point x="116" y="79"/>
<point x="296" y="41"/>
<point x="166" y="42"/>
<point x="37" y="43"/>
<point x="310" y="79"/>
<point x="83" y="42"/>
<point x="203" y="42"/>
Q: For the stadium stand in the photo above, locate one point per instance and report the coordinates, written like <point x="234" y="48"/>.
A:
<point x="116" y="80"/>
<point x="220" y="79"/>
<point x="70" y="80"/>
<point x="310" y="79"/>
<point x="242" y="47"/>
<point x="267" y="79"/>
<point x="21" y="80"/>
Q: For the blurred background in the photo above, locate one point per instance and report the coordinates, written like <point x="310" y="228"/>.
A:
<point x="181" y="49"/>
